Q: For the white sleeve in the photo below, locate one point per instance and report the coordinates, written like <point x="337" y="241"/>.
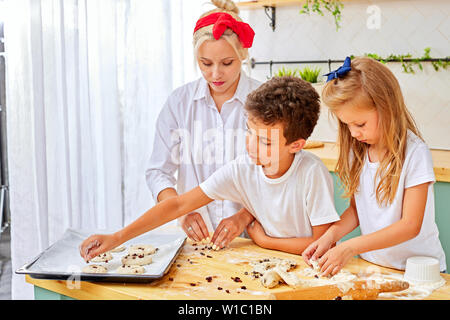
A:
<point x="221" y="184"/>
<point x="320" y="197"/>
<point x="419" y="167"/>
<point x="161" y="166"/>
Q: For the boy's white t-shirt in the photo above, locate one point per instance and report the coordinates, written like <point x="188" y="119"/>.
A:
<point x="287" y="206"/>
<point x="417" y="169"/>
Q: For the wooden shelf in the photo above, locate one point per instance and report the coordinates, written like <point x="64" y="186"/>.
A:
<point x="441" y="160"/>
<point x="257" y="4"/>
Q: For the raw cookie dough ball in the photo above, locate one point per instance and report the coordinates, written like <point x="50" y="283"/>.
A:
<point x="94" y="268"/>
<point x="136" y="260"/>
<point x="118" y="249"/>
<point x="104" y="257"/>
<point x="270" y="279"/>
<point x="124" y="269"/>
<point x="142" y="249"/>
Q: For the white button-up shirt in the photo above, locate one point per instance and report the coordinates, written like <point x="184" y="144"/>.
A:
<point x="194" y="139"/>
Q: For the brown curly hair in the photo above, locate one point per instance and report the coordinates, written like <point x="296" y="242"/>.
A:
<point x="289" y="100"/>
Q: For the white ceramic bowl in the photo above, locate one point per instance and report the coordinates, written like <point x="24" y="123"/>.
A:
<point x="422" y="270"/>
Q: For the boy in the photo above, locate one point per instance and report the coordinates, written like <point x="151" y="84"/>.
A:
<point x="288" y="191"/>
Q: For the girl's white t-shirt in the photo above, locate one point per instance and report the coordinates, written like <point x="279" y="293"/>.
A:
<point x="287" y="206"/>
<point x="417" y="169"/>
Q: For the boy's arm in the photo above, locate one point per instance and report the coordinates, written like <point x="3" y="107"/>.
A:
<point x="158" y="215"/>
<point x="165" y="211"/>
<point x="290" y="245"/>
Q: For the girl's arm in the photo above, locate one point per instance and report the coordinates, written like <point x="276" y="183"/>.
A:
<point x="290" y="245"/>
<point x="165" y="211"/>
<point x="348" y="222"/>
<point x="408" y="227"/>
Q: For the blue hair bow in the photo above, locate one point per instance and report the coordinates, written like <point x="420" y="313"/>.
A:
<point x="341" y="71"/>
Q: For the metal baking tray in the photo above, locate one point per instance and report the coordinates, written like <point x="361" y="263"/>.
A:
<point x="62" y="260"/>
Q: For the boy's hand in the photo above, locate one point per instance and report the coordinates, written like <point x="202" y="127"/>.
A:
<point x="229" y="228"/>
<point x="97" y="244"/>
<point x="316" y="249"/>
<point x="335" y="258"/>
<point x="195" y="227"/>
<point x="256" y="231"/>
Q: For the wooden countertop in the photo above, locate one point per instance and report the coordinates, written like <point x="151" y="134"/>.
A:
<point x="441" y="159"/>
<point x="187" y="278"/>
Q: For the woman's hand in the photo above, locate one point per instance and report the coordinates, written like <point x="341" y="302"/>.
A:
<point x="229" y="228"/>
<point x="316" y="249"/>
<point x="335" y="259"/>
<point x="256" y="231"/>
<point x="195" y="227"/>
<point x="98" y="244"/>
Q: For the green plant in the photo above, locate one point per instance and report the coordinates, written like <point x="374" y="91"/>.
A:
<point x="333" y="6"/>
<point x="286" y="72"/>
<point x="309" y="74"/>
<point x="410" y="63"/>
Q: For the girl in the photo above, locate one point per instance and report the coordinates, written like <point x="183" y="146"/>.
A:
<point x="386" y="170"/>
<point x="196" y="129"/>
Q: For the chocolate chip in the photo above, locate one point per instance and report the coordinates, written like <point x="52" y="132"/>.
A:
<point x="227" y="291"/>
<point x="338" y="298"/>
<point x="208" y="256"/>
<point x="202" y="253"/>
<point x="316" y="276"/>
<point x="192" y="284"/>
<point x="178" y="265"/>
<point x="170" y="279"/>
<point x="219" y="288"/>
<point x="209" y="279"/>
<point x="141" y="256"/>
<point x="246" y="273"/>
<point x="244" y="288"/>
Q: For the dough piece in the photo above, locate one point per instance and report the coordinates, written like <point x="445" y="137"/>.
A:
<point x="118" y="249"/>
<point x="104" y="257"/>
<point x="134" y="269"/>
<point x="315" y="265"/>
<point x="94" y="268"/>
<point x="136" y="259"/>
<point x="270" y="279"/>
<point x="262" y="266"/>
<point x="289" y="278"/>
<point x="140" y="249"/>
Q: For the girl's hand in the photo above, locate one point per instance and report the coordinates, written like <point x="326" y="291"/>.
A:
<point x="195" y="227"/>
<point x="257" y="233"/>
<point x="228" y="229"/>
<point x="335" y="259"/>
<point x="97" y="244"/>
<point x="316" y="249"/>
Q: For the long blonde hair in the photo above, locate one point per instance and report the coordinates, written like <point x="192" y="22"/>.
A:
<point x="373" y="83"/>
<point x="205" y="33"/>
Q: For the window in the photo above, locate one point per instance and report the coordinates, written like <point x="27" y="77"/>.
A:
<point x="4" y="199"/>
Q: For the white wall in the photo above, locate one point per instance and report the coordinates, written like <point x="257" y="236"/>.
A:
<point x="405" y="27"/>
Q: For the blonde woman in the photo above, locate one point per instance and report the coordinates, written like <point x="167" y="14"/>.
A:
<point x="198" y="130"/>
<point x="386" y="169"/>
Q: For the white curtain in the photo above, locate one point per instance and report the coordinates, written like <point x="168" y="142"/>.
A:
<point x="86" y="80"/>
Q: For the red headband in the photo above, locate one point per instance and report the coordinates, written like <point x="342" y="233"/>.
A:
<point x="222" y="21"/>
